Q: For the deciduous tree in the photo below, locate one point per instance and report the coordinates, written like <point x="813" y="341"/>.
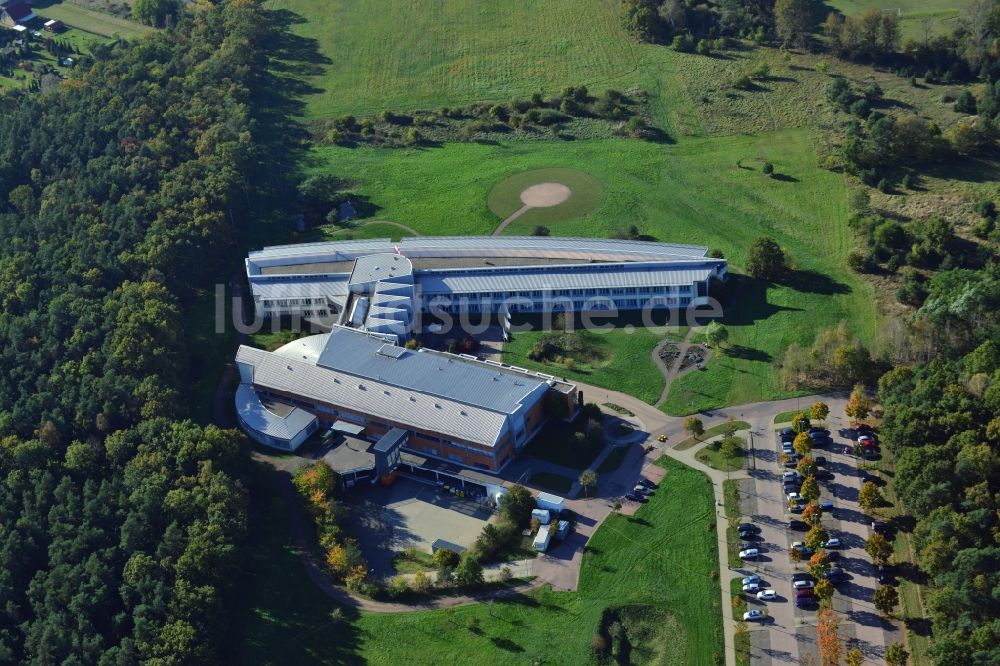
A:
<point x="694" y="426"/>
<point x="886" y="598"/>
<point x="878" y="548"/>
<point x="827" y="637"/>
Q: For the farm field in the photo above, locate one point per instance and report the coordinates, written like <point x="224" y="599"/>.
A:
<point x="653" y="571"/>
<point x="89" y="20"/>
<point x="382" y="54"/>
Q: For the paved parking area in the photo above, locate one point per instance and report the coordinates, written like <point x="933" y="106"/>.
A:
<point x="789" y="634"/>
<point x="410" y="514"/>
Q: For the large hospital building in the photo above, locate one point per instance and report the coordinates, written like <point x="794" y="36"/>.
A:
<point x="451" y="407"/>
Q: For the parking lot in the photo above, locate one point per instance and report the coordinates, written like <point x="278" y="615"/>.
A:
<point x="411" y="514"/>
<point x="788" y="632"/>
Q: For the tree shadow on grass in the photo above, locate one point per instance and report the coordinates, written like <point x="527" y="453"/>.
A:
<point x="814" y="282"/>
<point x="506" y="644"/>
<point x="748" y="303"/>
<point x="748" y="353"/>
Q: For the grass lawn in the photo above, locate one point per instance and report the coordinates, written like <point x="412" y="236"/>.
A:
<point x="89" y="20"/>
<point x="614" y="460"/>
<point x="412" y="561"/>
<point x="716" y="460"/>
<point x="731" y="498"/>
<point x="505" y="198"/>
<point x="659" y="565"/>
<point x="374" y="229"/>
<point x="382" y="54"/>
<point x="786" y="417"/>
<point x="622" y="360"/>
<point x="557" y="483"/>
<point x="710" y="433"/>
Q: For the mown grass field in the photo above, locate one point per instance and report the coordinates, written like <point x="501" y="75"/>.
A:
<point x="89" y="20"/>
<point x="385" y="54"/>
<point x="660" y="563"/>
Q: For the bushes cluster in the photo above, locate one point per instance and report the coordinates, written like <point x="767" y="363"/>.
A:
<point x="521" y="114"/>
<point x="836" y="359"/>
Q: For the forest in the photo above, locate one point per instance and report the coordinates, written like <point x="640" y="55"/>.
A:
<point x="121" y="522"/>
<point x="942" y="423"/>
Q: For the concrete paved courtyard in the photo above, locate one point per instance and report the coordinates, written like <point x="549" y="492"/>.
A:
<point x="410" y="514"/>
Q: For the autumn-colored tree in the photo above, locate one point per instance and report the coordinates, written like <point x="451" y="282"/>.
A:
<point x="818" y="411"/>
<point x="806" y="467"/>
<point x="869" y="497"/>
<point x="810" y="489"/>
<point x="878" y="548"/>
<point x="854" y="657"/>
<point x="694" y="426"/>
<point x="896" y="655"/>
<point x="827" y="638"/>
<point x="795" y="554"/>
<point x="336" y="559"/>
<point x="886" y="598"/>
<point x="859" y="406"/>
<point x="355" y="577"/>
<point x="812" y="514"/>
<point x="800" y="422"/>
<point x="819" y="564"/>
<point x="824" y="590"/>
<point x="815" y="538"/>
<point x="802" y="444"/>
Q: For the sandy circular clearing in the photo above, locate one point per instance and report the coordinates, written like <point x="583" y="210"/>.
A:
<point x="545" y="195"/>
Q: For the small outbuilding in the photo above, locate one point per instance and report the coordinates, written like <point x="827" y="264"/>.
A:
<point x="542" y="540"/>
<point x="542" y="515"/>
<point x="551" y="502"/>
<point x="54" y="25"/>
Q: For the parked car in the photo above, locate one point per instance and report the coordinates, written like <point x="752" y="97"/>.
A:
<point x="749" y="554"/>
<point x="823" y="475"/>
<point x="641" y="489"/>
<point x="804" y="600"/>
<point x="786" y="434"/>
<point x="646" y="482"/>
<point x="865" y="440"/>
<point x="826" y="505"/>
<point x="833" y="555"/>
<point x="817" y="429"/>
<point x="747" y="580"/>
<point x="832" y="543"/>
<point x="797" y="507"/>
<point x="767" y="595"/>
<point x="884" y="575"/>
<point x="747" y="534"/>
<point x="880" y="527"/>
<point x="864" y="428"/>
<point x="751" y="587"/>
<point x="634" y="497"/>
<point x="836" y="573"/>
<point x="793" y="497"/>
<point x="794" y="476"/>
<point x="802" y="576"/>
<point x="753" y="616"/>
<point x="791" y="463"/>
<point x="820" y="460"/>
<point x="798" y="525"/>
<point x="748" y="527"/>
<point x="803" y="584"/>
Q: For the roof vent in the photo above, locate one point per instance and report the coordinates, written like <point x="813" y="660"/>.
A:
<point x="289" y="367"/>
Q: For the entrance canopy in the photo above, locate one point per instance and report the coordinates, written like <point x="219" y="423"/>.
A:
<point x="348" y="428"/>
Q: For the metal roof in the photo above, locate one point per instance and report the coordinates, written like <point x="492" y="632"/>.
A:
<point x="598" y="276"/>
<point x="544" y="244"/>
<point x="377" y="399"/>
<point x="381" y="266"/>
<point x="446" y="376"/>
<point x="389" y="440"/>
<point x="259" y="418"/>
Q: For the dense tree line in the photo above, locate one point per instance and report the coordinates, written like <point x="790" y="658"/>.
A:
<point x="942" y="422"/>
<point x="120" y="525"/>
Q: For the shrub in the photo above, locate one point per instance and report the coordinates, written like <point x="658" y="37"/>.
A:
<point x="743" y="82"/>
<point x="421" y="583"/>
<point x="682" y="43"/>
<point x="397" y="587"/>
<point x="768" y="168"/>
<point x="704" y="47"/>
